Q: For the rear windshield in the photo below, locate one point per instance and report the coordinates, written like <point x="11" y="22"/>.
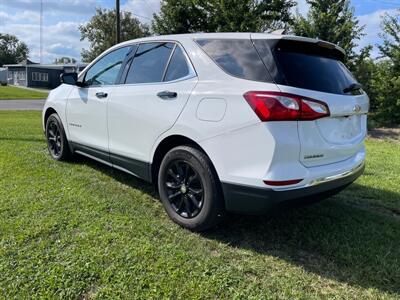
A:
<point x="315" y="73"/>
<point x="308" y="67"/>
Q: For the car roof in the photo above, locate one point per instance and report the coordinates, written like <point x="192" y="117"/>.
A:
<point x="231" y="35"/>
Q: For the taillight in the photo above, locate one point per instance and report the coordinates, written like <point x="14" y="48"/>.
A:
<point x="276" y="106"/>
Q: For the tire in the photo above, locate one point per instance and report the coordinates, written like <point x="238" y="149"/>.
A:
<point x="189" y="189"/>
<point x="57" y="143"/>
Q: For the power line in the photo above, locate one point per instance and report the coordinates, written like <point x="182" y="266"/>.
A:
<point x="150" y="9"/>
<point x="148" y="6"/>
<point x="139" y="16"/>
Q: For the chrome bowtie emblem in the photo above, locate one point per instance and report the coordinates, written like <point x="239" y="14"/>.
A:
<point x="357" y="108"/>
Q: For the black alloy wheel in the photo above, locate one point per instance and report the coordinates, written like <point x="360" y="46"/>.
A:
<point x="54" y="138"/>
<point x="184" y="188"/>
<point x="57" y="143"/>
<point x="190" y="189"/>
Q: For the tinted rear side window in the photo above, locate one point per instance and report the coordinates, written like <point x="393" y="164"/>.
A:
<point x="238" y="58"/>
<point x="149" y="63"/>
<point x="308" y="67"/>
<point x="178" y="66"/>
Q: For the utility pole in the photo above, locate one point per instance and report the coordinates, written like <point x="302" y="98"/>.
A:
<point x="41" y="31"/>
<point x="118" y="21"/>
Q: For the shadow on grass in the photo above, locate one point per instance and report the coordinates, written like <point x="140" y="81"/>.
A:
<point x="335" y="239"/>
<point x="20" y="139"/>
<point x="116" y="174"/>
<point x="385" y="133"/>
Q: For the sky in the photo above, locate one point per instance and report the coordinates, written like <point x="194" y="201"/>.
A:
<point x="61" y="19"/>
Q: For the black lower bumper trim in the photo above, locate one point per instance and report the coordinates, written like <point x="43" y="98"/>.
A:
<point x="252" y="200"/>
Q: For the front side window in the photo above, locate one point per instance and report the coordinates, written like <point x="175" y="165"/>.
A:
<point x="149" y="63"/>
<point x="105" y="71"/>
<point x="238" y="58"/>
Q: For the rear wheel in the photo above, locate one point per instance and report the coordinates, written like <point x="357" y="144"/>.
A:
<point x="57" y="143"/>
<point x="189" y="189"/>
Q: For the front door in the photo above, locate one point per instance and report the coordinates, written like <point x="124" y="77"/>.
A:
<point x="87" y="105"/>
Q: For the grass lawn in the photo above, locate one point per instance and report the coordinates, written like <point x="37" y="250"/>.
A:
<point x="12" y="92"/>
<point x="81" y="230"/>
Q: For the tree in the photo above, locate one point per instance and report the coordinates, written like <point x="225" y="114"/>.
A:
<point x="12" y="50"/>
<point x="385" y="81"/>
<point x="381" y="77"/>
<point x="180" y="16"/>
<point x="364" y="68"/>
<point x="391" y="39"/>
<point x="101" y="33"/>
<point x="185" y="16"/>
<point x="385" y="95"/>
<point x="65" y="60"/>
<point x="333" y="21"/>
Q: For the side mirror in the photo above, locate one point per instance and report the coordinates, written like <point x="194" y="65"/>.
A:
<point x="69" y="78"/>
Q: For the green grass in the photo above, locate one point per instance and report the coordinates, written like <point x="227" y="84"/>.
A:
<point x="12" y="92"/>
<point x="82" y="230"/>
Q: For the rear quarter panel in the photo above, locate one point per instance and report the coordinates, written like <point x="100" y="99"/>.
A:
<point x="240" y="146"/>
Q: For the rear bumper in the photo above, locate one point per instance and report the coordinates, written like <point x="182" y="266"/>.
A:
<point x="254" y="200"/>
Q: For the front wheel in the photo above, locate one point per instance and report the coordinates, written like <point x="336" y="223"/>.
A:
<point x="189" y="189"/>
<point x="57" y="143"/>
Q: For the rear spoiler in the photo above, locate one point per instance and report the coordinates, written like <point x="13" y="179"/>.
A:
<point x="334" y="50"/>
<point x="320" y="43"/>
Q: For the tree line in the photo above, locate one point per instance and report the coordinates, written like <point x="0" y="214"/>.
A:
<point x="330" y="20"/>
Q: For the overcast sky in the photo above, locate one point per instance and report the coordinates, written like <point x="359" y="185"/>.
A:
<point x="62" y="17"/>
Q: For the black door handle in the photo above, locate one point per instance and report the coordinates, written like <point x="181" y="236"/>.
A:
<point x="101" y="95"/>
<point x="165" y="95"/>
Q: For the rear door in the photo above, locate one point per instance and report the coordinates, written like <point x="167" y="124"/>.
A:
<point x="316" y="71"/>
<point x="155" y="87"/>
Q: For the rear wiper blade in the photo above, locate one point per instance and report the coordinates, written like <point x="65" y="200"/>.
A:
<point x="352" y="87"/>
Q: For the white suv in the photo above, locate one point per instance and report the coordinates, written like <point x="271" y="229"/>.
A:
<point x="235" y="122"/>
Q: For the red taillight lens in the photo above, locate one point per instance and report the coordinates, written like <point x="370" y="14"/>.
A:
<point x="276" y="106"/>
<point x="282" y="183"/>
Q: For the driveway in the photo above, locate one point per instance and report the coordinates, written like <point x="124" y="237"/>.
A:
<point x="25" y="104"/>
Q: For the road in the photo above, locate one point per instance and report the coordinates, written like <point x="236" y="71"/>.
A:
<point x="25" y="104"/>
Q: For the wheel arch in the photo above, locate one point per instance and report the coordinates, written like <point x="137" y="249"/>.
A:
<point x="49" y="111"/>
<point x="166" y="145"/>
